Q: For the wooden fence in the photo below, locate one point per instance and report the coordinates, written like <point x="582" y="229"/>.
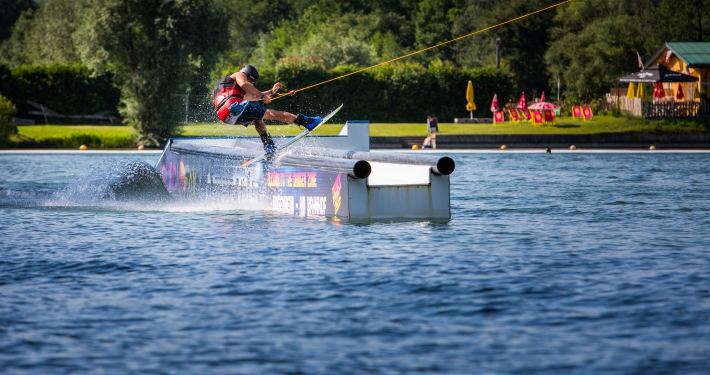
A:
<point x="661" y="109"/>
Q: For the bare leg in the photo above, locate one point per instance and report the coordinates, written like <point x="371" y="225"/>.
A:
<point x="260" y="126"/>
<point x="282" y="116"/>
<point x="269" y="145"/>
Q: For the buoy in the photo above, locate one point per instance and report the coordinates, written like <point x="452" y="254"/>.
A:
<point x="573" y="147"/>
<point x="415" y="147"/>
<point x="548" y="150"/>
<point x="82" y="147"/>
<point x="504" y="147"/>
<point x="652" y="147"/>
<point x="141" y="148"/>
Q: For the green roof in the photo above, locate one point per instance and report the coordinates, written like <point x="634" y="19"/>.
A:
<point x="695" y="54"/>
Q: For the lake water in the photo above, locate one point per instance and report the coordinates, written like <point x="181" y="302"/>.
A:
<point x="569" y="263"/>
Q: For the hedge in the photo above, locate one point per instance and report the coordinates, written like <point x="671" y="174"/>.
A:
<point x="400" y="92"/>
<point x="69" y="89"/>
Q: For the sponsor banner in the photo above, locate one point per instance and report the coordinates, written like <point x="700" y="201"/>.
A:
<point x="296" y="191"/>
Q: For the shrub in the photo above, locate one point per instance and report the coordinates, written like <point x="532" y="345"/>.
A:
<point x="70" y="89"/>
<point x="7" y="111"/>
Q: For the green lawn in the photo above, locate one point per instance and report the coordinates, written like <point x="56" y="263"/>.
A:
<point x="70" y="136"/>
<point x="564" y="125"/>
<point x="40" y="132"/>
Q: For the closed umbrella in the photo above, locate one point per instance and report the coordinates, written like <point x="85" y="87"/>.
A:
<point x="631" y="92"/>
<point x="522" y="105"/>
<point x="679" y="95"/>
<point x="494" y="104"/>
<point x="542" y="97"/>
<point x="659" y="92"/>
<point x="641" y="91"/>
<point x="471" y="106"/>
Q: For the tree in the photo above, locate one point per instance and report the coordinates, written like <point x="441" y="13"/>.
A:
<point x="154" y="48"/>
<point x="44" y="35"/>
<point x="7" y="110"/>
<point x="594" y="42"/>
<point x="523" y="45"/>
<point x="10" y="11"/>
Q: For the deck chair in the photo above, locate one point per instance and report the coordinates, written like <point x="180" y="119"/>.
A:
<point x="587" y="112"/>
<point x="538" y="119"/>
<point x="498" y="117"/>
<point x="577" y="112"/>
<point x="526" y="115"/>
<point x="514" y="116"/>
<point x="549" y="116"/>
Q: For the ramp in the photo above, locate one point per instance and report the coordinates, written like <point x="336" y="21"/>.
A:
<point x="334" y="176"/>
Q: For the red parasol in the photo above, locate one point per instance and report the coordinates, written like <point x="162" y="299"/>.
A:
<point x="521" y="104"/>
<point x="542" y="105"/>
<point x="494" y="105"/>
<point x="679" y="95"/>
<point x="542" y="97"/>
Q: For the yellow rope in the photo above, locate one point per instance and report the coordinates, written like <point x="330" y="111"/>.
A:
<point x="426" y="49"/>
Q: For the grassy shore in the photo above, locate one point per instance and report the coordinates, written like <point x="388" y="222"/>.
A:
<point x="72" y="136"/>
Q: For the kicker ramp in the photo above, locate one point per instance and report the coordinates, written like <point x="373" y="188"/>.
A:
<point x="332" y="176"/>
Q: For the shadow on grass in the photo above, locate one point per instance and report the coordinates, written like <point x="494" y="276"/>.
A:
<point x="570" y="126"/>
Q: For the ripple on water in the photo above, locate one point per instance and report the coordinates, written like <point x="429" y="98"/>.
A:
<point x="577" y="263"/>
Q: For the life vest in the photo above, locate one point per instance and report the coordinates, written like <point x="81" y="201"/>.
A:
<point x="227" y="93"/>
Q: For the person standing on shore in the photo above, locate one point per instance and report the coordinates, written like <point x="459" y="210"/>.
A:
<point x="238" y="101"/>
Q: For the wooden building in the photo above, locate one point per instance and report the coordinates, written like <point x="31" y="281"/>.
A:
<point x="691" y="58"/>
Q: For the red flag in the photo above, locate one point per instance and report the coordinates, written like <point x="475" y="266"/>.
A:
<point x="679" y="93"/>
<point x="668" y="56"/>
<point x="640" y="62"/>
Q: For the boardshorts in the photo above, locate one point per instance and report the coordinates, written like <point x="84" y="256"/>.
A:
<point x="245" y="112"/>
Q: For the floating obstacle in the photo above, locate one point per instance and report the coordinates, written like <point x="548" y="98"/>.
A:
<point x="333" y="176"/>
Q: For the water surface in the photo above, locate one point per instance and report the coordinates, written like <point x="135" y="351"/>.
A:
<point x="551" y="264"/>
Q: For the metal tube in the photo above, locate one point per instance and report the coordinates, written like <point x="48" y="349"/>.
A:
<point x="214" y="151"/>
<point x="354" y="168"/>
<point x="439" y="165"/>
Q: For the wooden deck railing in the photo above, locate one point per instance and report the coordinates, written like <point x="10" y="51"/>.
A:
<point x="661" y="109"/>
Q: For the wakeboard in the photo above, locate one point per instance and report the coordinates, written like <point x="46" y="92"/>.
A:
<point x="291" y="141"/>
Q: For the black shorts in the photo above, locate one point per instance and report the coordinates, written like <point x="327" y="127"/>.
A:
<point x="245" y="112"/>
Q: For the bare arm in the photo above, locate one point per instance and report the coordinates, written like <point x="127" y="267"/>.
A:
<point x="252" y="93"/>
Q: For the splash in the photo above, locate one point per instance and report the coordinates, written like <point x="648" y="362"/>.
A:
<point x="116" y="180"/>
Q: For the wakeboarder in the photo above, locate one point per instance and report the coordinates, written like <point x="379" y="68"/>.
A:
<point x="238" y="101"/>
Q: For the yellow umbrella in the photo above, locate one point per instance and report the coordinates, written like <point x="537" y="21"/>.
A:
<point x="631" y="92"/>
<point x="641" y="92"/>
<point x="471" y="106"/>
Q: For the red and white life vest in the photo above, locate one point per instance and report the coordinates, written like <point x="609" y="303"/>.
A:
<point x="227" y="93"/>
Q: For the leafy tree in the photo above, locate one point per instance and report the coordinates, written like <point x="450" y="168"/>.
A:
<point x="595" y="42"/>
<point x="336" y="39"/>
<point x="589" y="62"/>
<point x="154" y="48"/>
<point x="432" y="26"/>
<point x="45" y="35"/>
<point x="10" y="11"/>
<point x="523" y="43"/>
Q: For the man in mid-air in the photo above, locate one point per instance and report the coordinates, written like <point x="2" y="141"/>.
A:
<point x="238" y="101"/>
